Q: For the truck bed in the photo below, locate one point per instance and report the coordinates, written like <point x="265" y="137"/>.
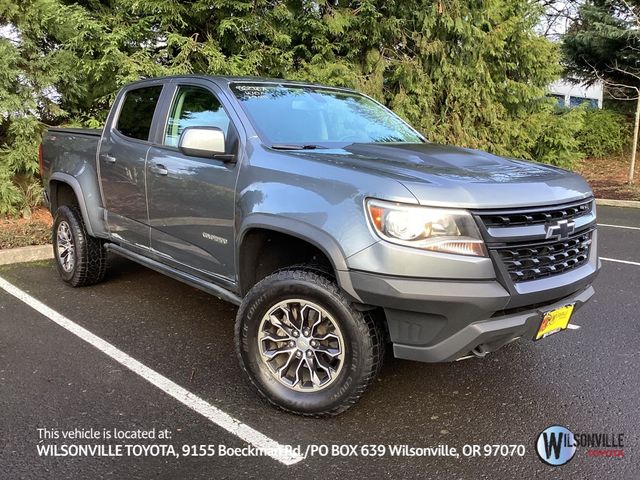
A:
<point x="92" y="132"/>
<point x="69" y="158"/>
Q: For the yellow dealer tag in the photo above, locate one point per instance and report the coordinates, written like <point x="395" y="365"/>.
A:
<point x="554" y="321"/>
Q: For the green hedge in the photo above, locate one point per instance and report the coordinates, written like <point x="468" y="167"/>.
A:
<point x="604" y="133"/>
<point x="558" y="143"/>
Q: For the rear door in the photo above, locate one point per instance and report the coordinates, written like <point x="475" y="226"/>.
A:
<point x="122" y="162"/>
<point x="191" y="199"/>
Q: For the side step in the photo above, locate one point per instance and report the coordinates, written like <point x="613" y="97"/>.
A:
<point x="212" y="288"/>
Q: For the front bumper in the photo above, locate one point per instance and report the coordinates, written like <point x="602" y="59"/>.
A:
<point x="480" y="338"/>
<point x="444" y="320"/>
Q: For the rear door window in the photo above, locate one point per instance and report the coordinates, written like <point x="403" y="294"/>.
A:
<point x="136" y="114"/>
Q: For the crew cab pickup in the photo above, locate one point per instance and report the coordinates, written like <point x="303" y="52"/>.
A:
<point x="335" y="226"/>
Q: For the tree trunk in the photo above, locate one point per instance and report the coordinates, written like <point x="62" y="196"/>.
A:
<point x="632" y="168"/>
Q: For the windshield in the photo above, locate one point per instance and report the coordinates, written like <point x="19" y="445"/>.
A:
<point x="288" y="115"/>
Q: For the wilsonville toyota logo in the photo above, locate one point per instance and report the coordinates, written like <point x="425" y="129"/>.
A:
<point x="556" y="445"/>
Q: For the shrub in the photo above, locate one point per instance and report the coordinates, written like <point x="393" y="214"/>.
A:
<point x="604" y="133"/>
<point x="557" y="143"/>
<point x="19" y="191"/>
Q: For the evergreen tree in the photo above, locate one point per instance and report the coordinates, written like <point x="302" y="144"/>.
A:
<point x="470" y="72"/>
<point x="604" y="42"/>
<point x="604" y="45"/>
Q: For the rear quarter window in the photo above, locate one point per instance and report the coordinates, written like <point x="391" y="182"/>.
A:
<point x="137" y="112"/>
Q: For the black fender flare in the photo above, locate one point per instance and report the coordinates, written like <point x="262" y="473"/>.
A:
<point x="304" y="231"/>
<point x="82" y="203"/>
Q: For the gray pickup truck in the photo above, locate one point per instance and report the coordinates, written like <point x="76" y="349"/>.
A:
<point x="335" y="226"/>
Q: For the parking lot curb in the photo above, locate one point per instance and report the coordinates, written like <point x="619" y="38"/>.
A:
<point x="26" y="254"/>
<point x="617" y="203"/>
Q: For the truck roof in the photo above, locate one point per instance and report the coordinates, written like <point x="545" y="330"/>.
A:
<point x="225" y="80"/>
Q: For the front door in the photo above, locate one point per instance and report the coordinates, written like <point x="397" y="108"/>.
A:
<point x="191" y="199"/>
<point x="122" y="158"/>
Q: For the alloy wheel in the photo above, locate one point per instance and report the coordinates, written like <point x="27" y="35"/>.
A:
<point x="301" y="344"/>
<point x="65" y="246"/>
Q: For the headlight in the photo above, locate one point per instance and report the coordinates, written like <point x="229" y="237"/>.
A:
<point x="438" y="229"/>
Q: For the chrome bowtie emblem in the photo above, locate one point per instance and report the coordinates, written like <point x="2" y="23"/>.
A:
<point x="560" y="230"/>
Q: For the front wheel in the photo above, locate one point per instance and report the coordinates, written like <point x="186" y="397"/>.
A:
<point x="304" y="346"/>
<point x="80" y="258"/>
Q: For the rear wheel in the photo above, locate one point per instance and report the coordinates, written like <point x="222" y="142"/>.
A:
<point x="80" y="258"/>
<point x="304" y="346"/>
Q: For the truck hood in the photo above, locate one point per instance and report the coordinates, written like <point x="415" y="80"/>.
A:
<point x="442" y="175"/>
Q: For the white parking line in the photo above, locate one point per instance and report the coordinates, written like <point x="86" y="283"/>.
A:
<point x="277" y="451"/>
<point x="615" y="260"/>
<point x="618" y="226"/>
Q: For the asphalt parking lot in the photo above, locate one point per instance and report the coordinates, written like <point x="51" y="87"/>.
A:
<point x="586" y="379"/>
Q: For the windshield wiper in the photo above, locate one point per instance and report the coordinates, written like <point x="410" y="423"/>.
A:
<point x="284" y="146"/>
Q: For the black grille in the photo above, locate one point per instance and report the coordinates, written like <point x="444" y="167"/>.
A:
<point x="538" y="260"/>
<point x="522" y="217"/>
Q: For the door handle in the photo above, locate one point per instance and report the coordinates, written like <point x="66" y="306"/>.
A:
<point x="158" y="169"/>
<point x="108" y="158"/>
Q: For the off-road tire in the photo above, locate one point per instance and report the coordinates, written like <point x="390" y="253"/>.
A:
<point x="363" y="342"/>
<point x="90" y="262"/>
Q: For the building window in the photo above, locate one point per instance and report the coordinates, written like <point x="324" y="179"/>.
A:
<point x="577" y="101"/>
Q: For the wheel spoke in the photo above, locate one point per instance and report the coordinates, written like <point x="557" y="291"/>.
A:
<point x="283" y="369"/>
<point x="276" y="322"/>
<point x="270" y="354"/>
<point x="321" y="364"/>
<point x="298" y="322"/>
<point x="332" y="352"/>
<point x="328" y="336"/>
<point x="298" y="379"/>
<point x="305" y="312"/>
<point x="275" y="338"/>
<point x="311" y="365"/>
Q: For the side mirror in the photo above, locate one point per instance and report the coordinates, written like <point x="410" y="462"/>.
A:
<point x="207" y="142"/>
